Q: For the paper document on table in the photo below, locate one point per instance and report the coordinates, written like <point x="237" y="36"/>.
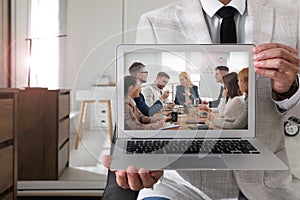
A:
<point x="168" y="125"/>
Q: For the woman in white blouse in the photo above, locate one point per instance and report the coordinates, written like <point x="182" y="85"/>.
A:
<point x="231" y="104"/>
<point x="241" y="121"/>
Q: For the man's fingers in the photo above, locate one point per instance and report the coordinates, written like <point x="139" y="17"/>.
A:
<point x="121" y="178"/>
<point x="277" y="53"/>
<point x="134" y="181"/>
<point x="280" y="65"/>
<point x="278" y="62"/>
<point x="148" y="179"/>
<point x="281" y="81"/>
<point x="264" y="47"/>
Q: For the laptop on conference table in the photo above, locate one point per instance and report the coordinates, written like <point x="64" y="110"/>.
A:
<point x="189" y="146"/>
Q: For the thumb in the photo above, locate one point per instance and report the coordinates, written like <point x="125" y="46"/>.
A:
<point x="106" y="160"/>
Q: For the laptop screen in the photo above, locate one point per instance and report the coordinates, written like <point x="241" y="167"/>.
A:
<point x="187" y="91"/>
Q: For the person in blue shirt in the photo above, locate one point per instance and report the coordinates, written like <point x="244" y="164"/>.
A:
<point x="138" y="70"/>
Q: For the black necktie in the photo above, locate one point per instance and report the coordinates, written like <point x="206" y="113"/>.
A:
<point x="228" y="30"/>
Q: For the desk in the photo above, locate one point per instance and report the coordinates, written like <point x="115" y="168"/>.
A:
<point x="183" y="118"/>
<point x="103" y="94"/>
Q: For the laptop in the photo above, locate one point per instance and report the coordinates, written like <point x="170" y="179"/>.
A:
<point x="189" y="146"/>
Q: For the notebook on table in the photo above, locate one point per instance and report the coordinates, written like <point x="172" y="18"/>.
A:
<point x="189" y="148"/>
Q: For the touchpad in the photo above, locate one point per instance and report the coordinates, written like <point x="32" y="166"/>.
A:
<point x="198" y="163"/>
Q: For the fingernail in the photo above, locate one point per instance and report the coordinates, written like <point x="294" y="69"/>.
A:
<point x="257" y="63"/>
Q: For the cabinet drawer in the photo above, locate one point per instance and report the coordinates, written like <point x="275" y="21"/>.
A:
<point x="63" y="133"/>
<point x="6" y="119"/>
<point x="64" y="105"/>
<point x="63" y="158"/>
<point x="6" y="172"/>
<point x="9" y="196"/>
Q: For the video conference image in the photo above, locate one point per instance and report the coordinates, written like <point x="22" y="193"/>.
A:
<point x="185" y="90"/>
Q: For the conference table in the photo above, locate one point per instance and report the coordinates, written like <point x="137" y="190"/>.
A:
<point x="191" y="118"/>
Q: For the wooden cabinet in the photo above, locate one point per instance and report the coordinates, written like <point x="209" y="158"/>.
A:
<point x="8" y="152"/>
<point x="43" y="133"/>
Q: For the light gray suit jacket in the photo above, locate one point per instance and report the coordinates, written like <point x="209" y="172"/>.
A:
<point x="184" y="22"/>
<point x="152" y="94"/>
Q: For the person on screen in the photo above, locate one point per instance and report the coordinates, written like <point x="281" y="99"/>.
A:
<point x="231" y="103"/>
<point x="220" y="71"/>
<point x="241" y="122"/>
<point x="275" y="61"/>
<point x="154" y="91"/>
<point x="133" y="118"/>
<point x="186" y="92"/>
<point x="138" y="70"/>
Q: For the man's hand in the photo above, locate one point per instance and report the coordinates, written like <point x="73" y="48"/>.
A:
<point x="278" y="62"/>
<point x="211" y="116"/>
<point x="132" y="178"/>
<point x="204" y="107"/>
<point x="165" y="95"/>
<point x="170" y="105"/>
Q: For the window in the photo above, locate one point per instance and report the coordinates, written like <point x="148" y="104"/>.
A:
<point x="46" y="44"/>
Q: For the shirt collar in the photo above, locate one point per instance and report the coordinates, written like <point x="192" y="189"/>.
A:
<point x="212" y="6"/>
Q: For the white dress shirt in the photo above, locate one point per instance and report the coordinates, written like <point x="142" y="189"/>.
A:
<point x="211" y="7"/>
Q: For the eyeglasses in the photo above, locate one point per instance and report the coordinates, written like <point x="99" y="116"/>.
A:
<point x="145" y="72"/>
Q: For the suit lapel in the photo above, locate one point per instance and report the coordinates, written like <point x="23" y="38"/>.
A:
<point x="192" y="22"/>
<point x="261" y="21"/>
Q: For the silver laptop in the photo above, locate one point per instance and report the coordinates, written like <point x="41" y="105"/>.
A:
<point x="189" y="143"/>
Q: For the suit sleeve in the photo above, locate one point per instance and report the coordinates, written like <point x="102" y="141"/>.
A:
<point x="135" y="120"/>
<point x="215" y="103"/>
<point x="148" y="94"/>
<point x="146" y="110"/>
<point x="141" y="105"/>
<point x="177" y="100"/>
<point x="145" y="32"/>
<point x="156" y="107"/>
<point x="113" y="191"/>
<point x="196" y="95"/>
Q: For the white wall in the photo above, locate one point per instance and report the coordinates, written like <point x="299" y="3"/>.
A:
<point x="94" y="29"/>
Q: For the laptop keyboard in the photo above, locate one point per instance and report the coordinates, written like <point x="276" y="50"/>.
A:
<point x="190" y="147"/>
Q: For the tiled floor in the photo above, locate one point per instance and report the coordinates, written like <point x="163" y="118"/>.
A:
<point x="87" y="157"/>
